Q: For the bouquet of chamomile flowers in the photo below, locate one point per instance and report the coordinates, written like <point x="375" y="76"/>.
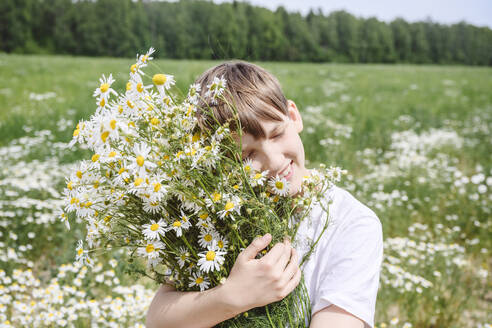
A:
<point x="178" y="197"/>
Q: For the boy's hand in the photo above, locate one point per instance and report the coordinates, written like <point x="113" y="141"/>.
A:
<point x="257" y="282"/>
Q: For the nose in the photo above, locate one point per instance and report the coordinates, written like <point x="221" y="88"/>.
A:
<point x="273" y="158"/>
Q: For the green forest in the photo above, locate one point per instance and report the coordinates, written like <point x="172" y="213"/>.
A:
<point x="204" y="30"/>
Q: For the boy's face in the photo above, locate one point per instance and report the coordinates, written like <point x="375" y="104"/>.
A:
<point x="281" y="152"/>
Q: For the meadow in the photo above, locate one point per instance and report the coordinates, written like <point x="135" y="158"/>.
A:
<point x="415" y="140"/>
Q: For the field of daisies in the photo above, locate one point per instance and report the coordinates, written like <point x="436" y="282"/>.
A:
<point x="415" y="141"/>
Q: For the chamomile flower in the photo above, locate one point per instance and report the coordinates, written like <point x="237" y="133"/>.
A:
<point x="233" y="204"/>
<point x="206" y="237"/>
<point x="181" y="224"/>
<point x="211" y="259"/>
<point x="163" y="82"/>
<point x="183" y="256"/>
<point x="154" y="229"/>
<point x="215" y="197"/>
<point x="204" y="221"/>
<point x="152" y="206"/>
<point x="193" y="93"/>
<point x="216" y="89"/>
<point x="152" y="249"/>
<point x="222" y="243"/>
<point x="141" y="160"/>
<point x="200" y="280"/>
<point x="104" y="90"/>
<point x="248" y="166"/>
<point x="279" y="186"/>
<point x="143" y="60"/>
<point x="259" y="178"/>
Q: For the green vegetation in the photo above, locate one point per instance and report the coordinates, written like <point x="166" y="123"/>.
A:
<point x="415" y="140"/>
<point x="190" y="29"/>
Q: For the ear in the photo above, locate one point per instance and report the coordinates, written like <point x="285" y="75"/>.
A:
<point x="294" y="115"/>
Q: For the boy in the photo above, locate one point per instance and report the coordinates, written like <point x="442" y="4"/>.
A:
<point x="341" y="276"/>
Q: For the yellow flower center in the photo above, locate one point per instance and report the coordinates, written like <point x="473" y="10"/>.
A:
<point x="104" y="136"/>
<point x="150" y="248"/>
<point x="140" y="160"/>
<point x="120" y="109"/>
<point x="220" y="244"/>
<point x="154" y="227"/>
<point x="112" y="123"/>
<point x="258" y="176"/>
<point x="96" y="184"/>
<point x="130" y="104"/>
<point x="210" y="256"/>
<point x="133" y="68"/>
<point x="247" y="168"/>
<point x="95" y="157"/>
<point x="128" y="86"/>
<point x="228" y="206"/>
<point x="112" y="154"/>
<point x="102" y="102"/>
<point x="69" y="185"/>
<point x="157" y="187"/>
<point x="80" y="251"/>
<point x="154" y="121"/>
<point x="159" y="79"/>
<point x="198" y="280"/>
<point x="279" y="185"/>
<point x="177" y="224"/>
<point x="121" y="170"/>
<point x="79" y="174"/>
<point x="216" y="197"/>
<point x="137" y="182"/>
<point x="104" y="87"/>
<point x="140" y="87"/>
<point x="76" y="132"/>
<point x="74" y="200"/>
<point x="203" y="216"/>
<point x="208" y="237"/>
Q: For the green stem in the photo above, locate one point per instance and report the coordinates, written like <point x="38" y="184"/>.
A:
<point x="269" y="317"/>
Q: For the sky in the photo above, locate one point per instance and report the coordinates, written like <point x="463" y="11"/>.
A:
<point x="476" y="12"/>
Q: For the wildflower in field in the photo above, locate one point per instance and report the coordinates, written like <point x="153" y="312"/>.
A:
<point x="154" y="229"/>
<point x="280" y="186"/>
<point x="198" y="279"/>
<point x="211" y="259"/>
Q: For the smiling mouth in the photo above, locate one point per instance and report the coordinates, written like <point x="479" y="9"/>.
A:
<point x="288" y="171"/>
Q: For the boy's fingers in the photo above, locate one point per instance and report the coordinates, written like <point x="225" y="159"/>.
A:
<point x="291" y="268"/>
<point x="274" y="254"/>
<point x="284" y="257"/>
<point x="293" y="282"/>
<point x="256" y="246"/>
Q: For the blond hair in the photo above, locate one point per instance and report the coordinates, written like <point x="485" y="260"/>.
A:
<point x="253" y="91"/>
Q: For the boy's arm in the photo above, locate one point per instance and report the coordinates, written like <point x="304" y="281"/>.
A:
<point x="333" y="316"/>
<point x="251" y="283"/>
<point x="171" y="308"/>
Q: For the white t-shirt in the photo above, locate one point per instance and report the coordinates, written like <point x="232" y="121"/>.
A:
<point x="344" y="268"/>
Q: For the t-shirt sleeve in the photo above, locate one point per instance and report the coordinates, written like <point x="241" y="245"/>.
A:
<point x="348" y="275"/>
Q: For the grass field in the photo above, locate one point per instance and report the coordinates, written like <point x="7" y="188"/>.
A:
<point x="415" y="140"/>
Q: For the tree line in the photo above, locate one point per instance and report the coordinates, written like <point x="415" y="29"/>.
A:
<point x="203" y="30"/>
